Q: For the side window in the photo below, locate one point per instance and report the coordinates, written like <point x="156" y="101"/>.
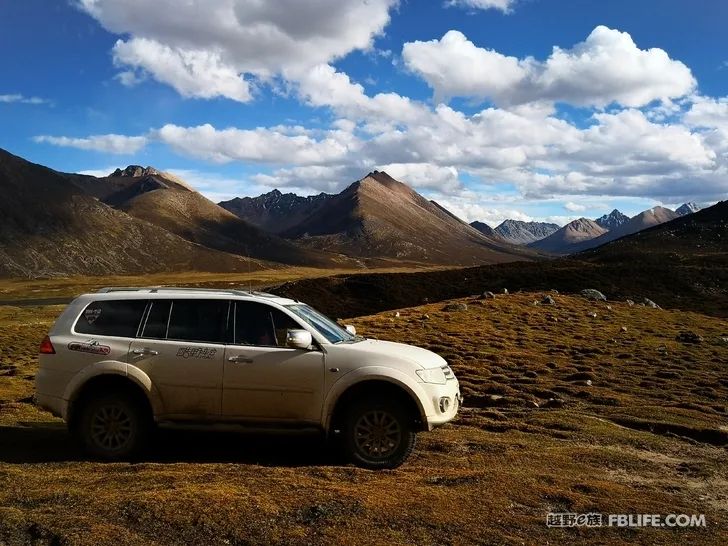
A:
<point x="111" y="318"/>
<point x="198" y="320"/>
<point x="262" y="325"/>
<point x="155" y="327"/>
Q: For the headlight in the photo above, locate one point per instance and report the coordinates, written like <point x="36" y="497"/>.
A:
<point x="432" y="375"/>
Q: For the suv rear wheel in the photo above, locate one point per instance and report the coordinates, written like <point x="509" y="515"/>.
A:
<point x="378" y="434"/>
<point x="114" y="426"/>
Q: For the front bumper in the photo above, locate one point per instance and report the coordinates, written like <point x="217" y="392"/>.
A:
<point x="438" y="415"/>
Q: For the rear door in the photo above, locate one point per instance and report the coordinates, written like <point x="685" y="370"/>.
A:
<point x="264" y="379"/>
<point x="103" y="331"/>
<point x="182" y="348"/>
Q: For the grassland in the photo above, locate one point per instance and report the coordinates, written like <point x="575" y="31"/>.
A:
<point x="565" y="411"/>
<point x="64" y="288"/>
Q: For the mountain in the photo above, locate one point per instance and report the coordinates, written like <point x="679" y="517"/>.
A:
<point x="569" y="236"/>
<point x="518" y="232"/>
<point x="485" y="229"/>
<point x="613" y="220"/>
<point x="644" y="220"/>
<point x="192" y="216"/>
<point x="275" y="211"/>
<point x="687" y="208"/>
<point x="700" y="238"/>
<point x="49" y="226"/>
<point x="379" y="216"/>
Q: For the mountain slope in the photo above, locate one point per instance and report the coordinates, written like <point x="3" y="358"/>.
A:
<point x="613" y="220"/>
<point x="275" y="211"/>
<point x="518" y="232"/>
<point x="687" y="208"/>
<point x="378" y="216"/>
<point x="572" y="234"/>
<point x="195" y="218"/>
<point x="51" y="227"/>
<point x="485" y="229"/>
<point x="644" y="220"/>
<point x="699" y="237"/>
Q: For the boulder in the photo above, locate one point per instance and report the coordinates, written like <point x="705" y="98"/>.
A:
<point x="689" y="337"/>
<point x="649" y="303"/>
<point x="548" y="300"/>
<point x="591" y="294"/>
<point x="487" y="295"/>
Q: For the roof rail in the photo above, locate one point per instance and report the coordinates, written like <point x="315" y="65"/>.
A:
<point x="156" y="289"/>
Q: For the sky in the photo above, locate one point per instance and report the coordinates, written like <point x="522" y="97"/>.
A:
<point x="524" y="109"/>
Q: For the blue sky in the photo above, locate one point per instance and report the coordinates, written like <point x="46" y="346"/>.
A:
<point x="495" y="108"/>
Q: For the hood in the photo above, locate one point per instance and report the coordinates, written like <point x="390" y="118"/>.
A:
<point x="386" y="351"/>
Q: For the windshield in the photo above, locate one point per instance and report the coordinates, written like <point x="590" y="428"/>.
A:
<point x="323" y="324"/>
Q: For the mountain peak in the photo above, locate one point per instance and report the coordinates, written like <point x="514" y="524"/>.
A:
<point x="519" y="232"/>
<point x="612" y="220"/>
<point x="687" y="208"/>
<point x="136" y="171"/>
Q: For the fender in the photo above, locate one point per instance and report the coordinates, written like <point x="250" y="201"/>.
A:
<point x="378" y="373"/>
<point x="113" y="367"/>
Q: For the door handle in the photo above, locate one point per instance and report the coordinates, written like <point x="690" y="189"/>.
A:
<point x="240" y="359"/>
<point x="145" y="351"/>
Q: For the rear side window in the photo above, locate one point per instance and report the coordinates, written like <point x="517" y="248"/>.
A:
<point x="261" y="325"/>
<point x="119" y="318"/>
<point x="198" y="320"/>
<point x="155" y="326"/>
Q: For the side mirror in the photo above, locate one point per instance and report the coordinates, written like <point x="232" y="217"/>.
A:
<point x="349" y="328"/>
<point x="299" y="339"/>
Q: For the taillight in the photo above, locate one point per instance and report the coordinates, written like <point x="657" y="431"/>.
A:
<point x="46" y="347"/>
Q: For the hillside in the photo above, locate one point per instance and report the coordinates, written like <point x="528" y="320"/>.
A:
<point x="51" y="227"/>
<point x="379" y="216"/>
<point x="275" y="211"/>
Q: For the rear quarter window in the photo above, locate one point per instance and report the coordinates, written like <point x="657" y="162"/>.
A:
<point x="119" y="318"/>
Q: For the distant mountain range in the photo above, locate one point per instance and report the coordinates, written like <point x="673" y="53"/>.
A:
<point x="523" y="233"/>
<point x="380" y="217"/>
<point x="140" y="219"/>
<point x="583" y="233"/>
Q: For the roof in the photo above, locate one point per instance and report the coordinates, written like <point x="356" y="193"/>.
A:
<point x="134" y="292"/>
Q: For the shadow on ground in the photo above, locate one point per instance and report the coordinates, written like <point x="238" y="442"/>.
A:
<point x="51" y="443"/>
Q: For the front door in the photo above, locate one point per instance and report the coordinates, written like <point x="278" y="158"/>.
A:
<point x="263" y="379"/>
<point x="182" y="350"/>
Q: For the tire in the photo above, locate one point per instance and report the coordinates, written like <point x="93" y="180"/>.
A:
<point x="378" y="434"/>
<point x="114" y="426"/>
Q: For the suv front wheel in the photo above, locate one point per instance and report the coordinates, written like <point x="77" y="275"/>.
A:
<point x="378" y="434"/>
<point x="113" y="426"/>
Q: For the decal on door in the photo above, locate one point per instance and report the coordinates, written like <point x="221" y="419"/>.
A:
<point x="92" y="347"/>
<point x="197" y="352"/>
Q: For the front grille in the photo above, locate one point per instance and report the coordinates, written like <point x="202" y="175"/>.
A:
<point x="448" y="372"/>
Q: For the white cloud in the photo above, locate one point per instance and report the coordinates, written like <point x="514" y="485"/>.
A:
<point x="274" y="145"/>
<point x="192" y="72"/>
<point x="425" y="176"/>
<point x="502" y="5"/>
<point x="113" y="144"/>
<point x="206" y="48"/>
<point x="22" y="99"/>
<point x="607" y="67"/>
<point x="574" y="207"/>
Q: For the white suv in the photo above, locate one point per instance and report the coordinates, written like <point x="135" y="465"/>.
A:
<point x="119" y="361"/>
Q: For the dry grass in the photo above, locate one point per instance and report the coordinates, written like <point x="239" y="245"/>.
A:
<point x="648" y="435"/>
<point x="16" y="288"/>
